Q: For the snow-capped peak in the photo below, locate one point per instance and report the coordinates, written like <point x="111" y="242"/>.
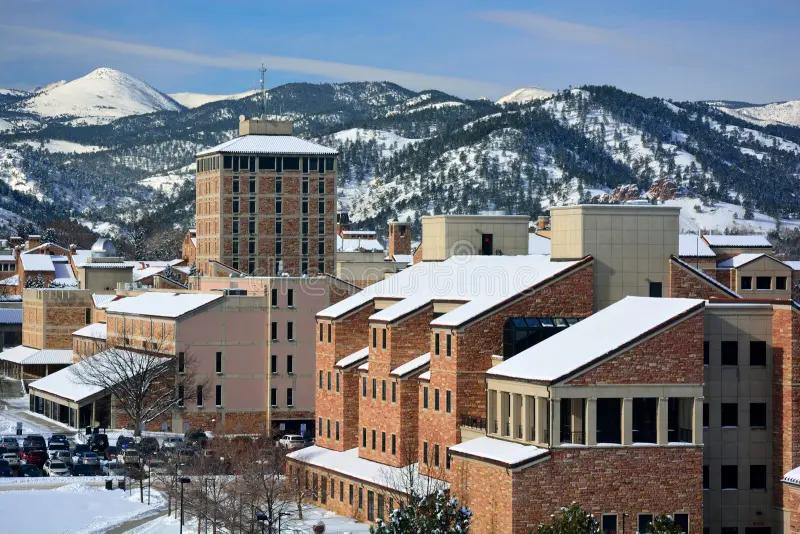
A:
<point x="99" y="97"/>
<point x="525" y="94"/>
<point x="775" y="113"/>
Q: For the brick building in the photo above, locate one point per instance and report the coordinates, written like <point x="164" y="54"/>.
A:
<point x="266" y="203"/>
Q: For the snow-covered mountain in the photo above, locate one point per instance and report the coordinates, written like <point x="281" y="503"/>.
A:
<point x="787" y="113"/>
<point x="100" y="97"/>
<point x="525" y="95"/>
<point x="195" y="100"/>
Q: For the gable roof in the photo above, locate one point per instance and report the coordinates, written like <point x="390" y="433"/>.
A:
<point x="24" y="355"/>
<point x="706" y="278"/>
<point x="737" y="241"/>
<point x="792" y="477"/>
<point x="538" y="244"/>
<point x="598" y="336"/>
<point x="269" y="144"/>
<point x="352" y="359"/>
<point x="412" y="366"/>
<point x="740" y="260"/>
<point x="37" y="262"/>
<point x="162" y="304"/>
<point x="94" y="331"/>
<point x="693" y="246"/>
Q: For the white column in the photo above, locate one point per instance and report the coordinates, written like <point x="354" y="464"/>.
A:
<point x="517" y="417"/>
<point x="540" y="420"/>
<point x="527" y="417"/>
<point x="590" y="430"/>
<point x="697" y="421"/>
<point x="504" y="406"/>
<point x="555" y="419"/>
<point x="491" y="411"/>
<point x="627" y="421"/>
<point x="662" y="420"/>
<point x="576" y="420"/>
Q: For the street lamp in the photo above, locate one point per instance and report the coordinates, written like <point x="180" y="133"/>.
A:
<point x="182" y="480"/>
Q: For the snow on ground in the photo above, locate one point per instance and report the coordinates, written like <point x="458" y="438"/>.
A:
<point x="722" y="215"/>
<point x="390" y="142"/>
<point x="5" y="126"/>
<point x="12" y="174"/>
<point x="166" y="183"/>
<point x="334" y="524"/>
<point x="766" y="140"/>
<point x="437" y="105"/>
<point x="195" y="100"/>
<point x="524" y="95"/>
<point x="60" y="146"/>
<point x="73" y="508"/>
<point x="775" y="113"/>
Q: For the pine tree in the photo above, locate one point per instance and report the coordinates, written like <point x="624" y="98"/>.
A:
<point x="435" y="513"/>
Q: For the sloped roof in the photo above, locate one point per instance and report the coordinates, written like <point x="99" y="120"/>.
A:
<point x="269" y="144"/>
<point x="793" y="264"/>
<point x="356" y="244"/>
<point x="741" y="260"/>
<point x="417" y="364"/>
<point x="538" y="244"/>
<point x="23" y="355"/>
<point x="693" y="246"/>
<point x="94" y="330"/>
<point x="595" y="337"/>
<point x="706" y="278"/>
<point x="102" y="301"/>
<point x="162" y="304"/>
<point x="737" y="241"/>
<point x="792" y="477"/>
<point x="499" y="451"/>
<point x="37" y="262"/>
<point x="352" y="359"/>
<point x="17" y="354"/>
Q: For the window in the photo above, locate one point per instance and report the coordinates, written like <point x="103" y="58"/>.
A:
<point x="374" y="388"/>
<point x="274" y="297"/>
<point x="763" y="282"/>
<point x="730" y="477"/>
<point x="337" y="430"/>
<point x="290" y="298"/>
<point x="747" y="282"/>
<point x="235" y="226"/>
<point x="706" y="352"/>
<point x="758" y="477"/>
<point x="329" y="333"/>
<point x="705" y="415"/>
<point x="218" y="395"/>
<point x="394" y="391"/>
<point x="436" y="455"/>
<point x="235" y="184"/>
<point x="758" y="353"/>
<point x="321" y="227"/>
<point x="730" y="353"/>
<point x="320" y="332"/>
<point x="341" y="491"/>
<point x="321" y="206"/>
<point x="383" y="441"/>
<point x="321" y="247"/>
<point x="304" y="227"/>
<point x="252" y="184"/>
<point x="278" y="186"/>
<point x="436" y="344"/>
<point x="374" y="338"/>
<point x="328" y="431"/>
<point x="609" y="420"/>
<point x="447" y="349"/>
<point x="180" y="395"/>
<point x="278" y="206"/>
<point x="273" y="366"/>
<point x="321" y="186"/>
<point x="374" y="439"/>
<point x="682" y="520"/>
<point x="706" y="480"/>
<point x="218" y="363"/>
<point x="608" y="524"/>
<point x="227" y="162"/>
<point x="337" y="382"/>
<point x="289" y="364"/>
<point x="364" y="438"/>
<point x="329" y="380"/>
<point x="266" y="163"/>
<point x="645" y="520"/>
<point x="780" y="282"/>
<point x="278" y="226"/>
<point x="644" y="419"/>
<point x="381" y="505"/>
<point x="729" y="414"/>
<point x="304" y="186"/>
<point x="235" y="205"/>
<point x="436" y="399"/>
<point x="199" y="399"/>
<point x="655" y="289"/>
<point x="448" y="401"/>
<point x="383" y="390"/>
<point x="321" y="265"/>
<point x="274" y="331"/>
<point x="364" y="387"/>
<point x="319" y="430"/>
<point x="273" y="397"/>
<point x="425" y="397"/>
<point x="320" y="379"/>
<point x="350" y="496"/>
<point x="251" y="246"/>
<point x="425" y="452"/>
<point x="291" y="164"/>
<point x="394" y="444"/>
<point x="758" y="414"/>
<point x="290" y="330"/>
<point x="181" y="362"/>
<point x="383" y="338"/>
<point x="304" y="210"/>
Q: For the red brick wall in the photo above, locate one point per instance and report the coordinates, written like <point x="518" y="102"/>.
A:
<point x="464" y="372"/>
<point x="656" y="480"/>
<point x="679" y="359"/>
<point x="791" y="503"/>
<point x="687" y="284"/>
<point x="786" y="395"/>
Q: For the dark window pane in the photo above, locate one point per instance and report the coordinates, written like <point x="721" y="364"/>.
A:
<point x="729" y="414"/>
<point x="758" y="353"/>
<point x="758" y="477"/>
<point x="730" y="353"/>
<point x="291" y="164"/>
<point x="758" y="414"/>
<point x="763" y="282"/>
<point x="747" y="282"/>
<point x="730" y="477"/>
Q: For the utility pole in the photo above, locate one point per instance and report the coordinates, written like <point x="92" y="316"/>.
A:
<point x="263" y="71"/>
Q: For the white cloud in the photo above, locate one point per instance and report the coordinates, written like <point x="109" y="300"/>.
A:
<point x="70" y="44"/>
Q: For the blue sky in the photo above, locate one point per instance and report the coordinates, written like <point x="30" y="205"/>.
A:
<point x="682" y="49"/>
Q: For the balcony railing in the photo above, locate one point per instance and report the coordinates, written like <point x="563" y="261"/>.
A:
<point x="568" y="436"/>
<point x="473" y="422"/>
<point x="680" y="435"/>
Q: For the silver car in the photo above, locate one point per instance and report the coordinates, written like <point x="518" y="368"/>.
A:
<point x="62" y="456"/>
<point x="86" y="458"/>
<point x="54" y="468"/>
<point x="11" y="458"/>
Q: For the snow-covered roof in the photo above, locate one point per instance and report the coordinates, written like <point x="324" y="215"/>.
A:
<point x="793" y="264"/>
<point x="364" y="366"/>
<point x="32" y="356"/>
<point x="63" y="270"/>
<point x="538" y="244"/>
<point x="792" y="477"/>
<point x="10" y="315"/>
<point x="693" y="246"/>
<point x="37" y="262"/>
<point x="737" y="241"/>
<point x="498" y="451"/>
<point x="94" y="330"/>
<point x="412" y="366"/>
<point x="599" y="335"/>
<point x="358" y="232"/>
<point x="102" y="301"/>
<point x="350" y="465"/>
<point x="7" y="257"/>
<point x="352" y="359"/>
<point x="707" y="278"/>
<point x="480" y="281"/>
<point x="10" y="281"/>
<point x="404" y="259"/>
<point x="160" y="304"/>
<point x="269" y="144"/>
<point x="425" y="376"/>
<point x="739" y="260"/>
<point x="358" y="245"/>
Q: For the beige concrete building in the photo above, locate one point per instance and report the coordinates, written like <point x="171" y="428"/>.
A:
<point x="631" y="246"/>
<point x="757" y="275"/>
<point x="486" y="235"/>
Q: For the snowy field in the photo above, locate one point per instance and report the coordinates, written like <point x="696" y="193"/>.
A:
<point x="73" y="508"/>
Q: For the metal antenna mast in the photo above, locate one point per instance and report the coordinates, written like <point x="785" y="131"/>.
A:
<point x="263" y="71"/>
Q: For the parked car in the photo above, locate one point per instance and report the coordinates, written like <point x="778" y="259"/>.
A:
<point x="11" y="458"/>
<point x="172" y="443"/>
<point x="55" y="447"/>
<point x="129" y="456"/>
<point x="5" y="469"/>
<point x="196" y="438"/>
<point x="148" y="446"/>
<point x="33" y="442"/>
<point x="123" y="442"/>
<point x="98" y="442"/>
<point x="10" y="444"/>
<point x="79" y="448"/>
<point x="58" y="438"/>
<point x="54" y="468"/>
<point x="62" y="456"/>
<point x="294" y="441"/>
<point x="34" y="457"/>
<point x="115" y="469"/>
<point x="111" y="453"/>
<point x="155" y="465"/>
<point x="28" y="470"/>
<point x="85" y="470"/>
<point x="86" y="458"/>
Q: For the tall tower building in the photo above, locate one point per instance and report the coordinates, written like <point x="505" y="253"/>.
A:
<point x="266" y="203"/>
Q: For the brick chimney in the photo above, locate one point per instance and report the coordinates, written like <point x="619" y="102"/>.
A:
<point x="33" y="241"/>
<point x="342" y="222"/>
<point x="399" y="238"/>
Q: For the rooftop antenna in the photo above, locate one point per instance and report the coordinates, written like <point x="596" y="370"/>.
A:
<point x="263" y="71"/>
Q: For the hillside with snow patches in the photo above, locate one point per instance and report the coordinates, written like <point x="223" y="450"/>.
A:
<point x="786" y="113"/>
<point x="402" y="153"/>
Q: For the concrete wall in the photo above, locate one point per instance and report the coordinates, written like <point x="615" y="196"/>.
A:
<point x="99" y="280"/>
<point x="49" y="316"/>
<point x="766" y="267"/>
<point x="449" y="235"/>
<point x="631" y="246"/>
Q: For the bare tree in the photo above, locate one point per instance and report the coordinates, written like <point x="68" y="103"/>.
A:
<point x="297" y="486"/>
<point x="265" y="485"/>
<point x="145" y="384"/>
